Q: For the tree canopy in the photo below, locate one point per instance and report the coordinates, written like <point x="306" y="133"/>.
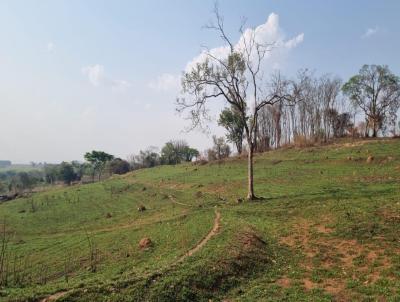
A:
<point x="376" y="91"/>
<point x="98" y="160"/>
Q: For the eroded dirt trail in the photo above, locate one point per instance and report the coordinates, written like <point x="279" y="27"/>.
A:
<point x="212" y="233"/>
<point x="173" y="200"/>
<point x="55" y="296"/>
<point x="201" y="243"/>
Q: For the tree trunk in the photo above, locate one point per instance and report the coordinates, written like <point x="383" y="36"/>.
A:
<point x="250" y="193"/>
<point x="374" y="132"/>
<point x="239" y="146"/>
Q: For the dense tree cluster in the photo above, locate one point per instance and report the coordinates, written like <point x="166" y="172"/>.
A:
<point x="175" y="152"/>
<point x="172" y="153"/>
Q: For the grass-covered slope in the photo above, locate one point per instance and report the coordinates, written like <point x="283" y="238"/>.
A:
<point x="326" y="229"/>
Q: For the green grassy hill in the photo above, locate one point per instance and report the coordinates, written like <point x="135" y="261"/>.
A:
<point x="326" y="229"/>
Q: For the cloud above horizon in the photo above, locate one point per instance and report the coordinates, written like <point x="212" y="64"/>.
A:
<point x="268" y="33"/>
<point x="370" y="32"/>
<point x="95" y="74"/>
<point x="50" y="46"/>
<point x="97" y="77"/>
<point x="165" y="82"/>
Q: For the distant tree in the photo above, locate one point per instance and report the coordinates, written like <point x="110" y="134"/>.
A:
<point x="79" y="169"/>
<point x="25" y="180"/>
<point x="220" y="148"/>
<point x="67" y="173"/>
<point x="145" y="159"/>
<point x="340" y="122"/>
<point x="174" y="152"/>
<point x="51" y="173"/>
<point x="231" y="120"/>
<point x="3" y="187"/>
<point x="21" y="181"/>
<point x="211" y="154"/>
<point x="118" y="166"/>
<point x="377" y="92"/>
<point x="150" y="158"/>
<point x="190" y="153"/>
<point x="361" y="128"/>
<point x="170" y="154"/>
<point x="98" y="160"/>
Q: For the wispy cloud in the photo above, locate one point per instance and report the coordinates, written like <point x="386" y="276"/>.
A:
<point x="50" y="46"/>
<point x="370" y="32"/>
<point x="166" y="82"/>
<point x="95" y="74"/>
<point x="120" y="85"/>
<point x="97" y="77"/>
<point x="269" y="32"/>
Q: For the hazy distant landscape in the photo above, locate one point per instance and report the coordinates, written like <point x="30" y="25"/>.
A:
<point x="217" y="158"/>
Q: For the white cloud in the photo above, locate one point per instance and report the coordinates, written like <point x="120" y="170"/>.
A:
<point x="370" y="32"/>
<point x="292" y="43"/>
<point x="50" y="46"/>
<point x="166" y="82"/>
<point x="95" y="73"/>
<point x="120" y="85"/>
<point x="268" y="33"/>
<point x="97" y="77"/>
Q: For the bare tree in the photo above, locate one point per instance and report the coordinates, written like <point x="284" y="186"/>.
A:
<point x="329" y="91"/>
<point x="236" y="79"/>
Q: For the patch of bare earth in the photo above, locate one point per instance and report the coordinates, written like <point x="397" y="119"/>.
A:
<point x="284" y="282"/>
<point x="55" y="296"/>
<point x="318" y="246"/>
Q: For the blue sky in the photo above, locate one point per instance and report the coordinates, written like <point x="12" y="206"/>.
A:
<point x="82" y="75"/>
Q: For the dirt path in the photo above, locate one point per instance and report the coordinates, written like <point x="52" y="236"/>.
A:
<point x="55" y="296"/>
<point x="202" y="242"/>
<point x="173" y="200"/>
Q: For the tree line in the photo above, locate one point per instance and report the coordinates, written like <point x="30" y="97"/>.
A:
<point x="97" y="166"/>
<point x="365" y="106"/>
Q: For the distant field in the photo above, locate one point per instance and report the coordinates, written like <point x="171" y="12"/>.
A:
<point x="19" y="168"/>
<point x="326" y="229"/>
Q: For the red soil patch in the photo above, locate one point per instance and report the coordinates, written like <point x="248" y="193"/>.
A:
<point x="334" y="252"/>
<point x="145" y="243"/>
<point x="308" y="284"/>
<point x="284" y="282"/>
<point x="324" y="229"/>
